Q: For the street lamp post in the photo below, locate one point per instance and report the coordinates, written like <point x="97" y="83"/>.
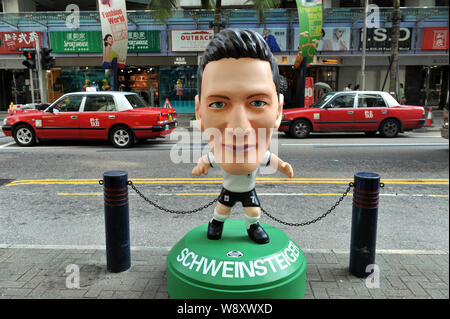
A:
<point x="363" y="56"/>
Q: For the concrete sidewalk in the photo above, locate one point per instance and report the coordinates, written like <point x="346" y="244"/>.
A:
<point x="44" y="271"/>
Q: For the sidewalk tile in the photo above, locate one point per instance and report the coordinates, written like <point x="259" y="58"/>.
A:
<point x="16" y="292"/>
<point x="416" y="289"/>
<point x="11" y="284"/>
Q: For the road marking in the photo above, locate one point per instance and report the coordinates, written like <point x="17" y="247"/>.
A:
<point x="265" y="194"/>
<point x="259" y="180"/>
<point x="7" y="144"/>
<point x="366" y="145"/>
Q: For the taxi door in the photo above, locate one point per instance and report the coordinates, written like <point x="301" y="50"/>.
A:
<point x="62" y="122"/>
<point x="370" y="112"/>
<point x="97" y="116"/>
<point x="338" y="115"/>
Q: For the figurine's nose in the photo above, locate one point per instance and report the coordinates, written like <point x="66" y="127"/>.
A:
<point x="239" y="123"/>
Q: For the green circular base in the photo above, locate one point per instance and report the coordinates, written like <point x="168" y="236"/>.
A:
<point x="235" y="266"/>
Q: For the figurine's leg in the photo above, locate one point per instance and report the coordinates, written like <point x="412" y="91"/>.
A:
<point x="221" y="213"/>
<point x="254" y="229"/>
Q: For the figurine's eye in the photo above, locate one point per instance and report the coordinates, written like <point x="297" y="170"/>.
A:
<point x="217" y="105"/>
<point x="258" y="103"/>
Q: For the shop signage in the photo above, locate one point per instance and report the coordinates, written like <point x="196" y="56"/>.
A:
<point x="15" y="42"/>
<point x="435" y="38"/>
<point x="113" y="18"/>
<point x="379" y="39"/>
<point x="190" y="40"/>
<point x="180" y="61"/>
<point x="144" y="41"/>
<point x="76" y="41"/>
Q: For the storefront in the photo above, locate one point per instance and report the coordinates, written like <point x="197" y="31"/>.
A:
<point x="14" y="77"/>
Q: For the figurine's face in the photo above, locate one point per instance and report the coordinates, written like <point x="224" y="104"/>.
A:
<point x="238" y="110"/>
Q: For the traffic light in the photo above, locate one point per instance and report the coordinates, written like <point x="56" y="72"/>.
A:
<point x="47" y="61"/>
<point x="30" y="59"/>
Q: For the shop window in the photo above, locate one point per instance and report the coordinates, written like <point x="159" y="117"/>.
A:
<point x="78" y="79"/>
<point x="179" y="85"/>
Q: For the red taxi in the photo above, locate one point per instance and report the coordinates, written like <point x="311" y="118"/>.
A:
<point x="353" y="111"/>
<point x="120" y="117"/>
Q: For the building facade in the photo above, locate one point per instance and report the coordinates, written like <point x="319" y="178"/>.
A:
<point x="163" y="58"/>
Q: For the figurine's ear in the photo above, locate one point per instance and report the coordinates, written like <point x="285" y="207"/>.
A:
<point x="197" y="113"/>
<point x="279" y="111"/>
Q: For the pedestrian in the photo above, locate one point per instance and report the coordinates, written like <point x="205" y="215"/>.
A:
<point x="357" y="87"/>
<point x="349" y="87"/>
<point x="402" y="94"/>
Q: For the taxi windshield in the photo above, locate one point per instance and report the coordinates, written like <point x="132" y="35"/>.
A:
<point x="135" y="100"/>
<point x="322" y="100"/>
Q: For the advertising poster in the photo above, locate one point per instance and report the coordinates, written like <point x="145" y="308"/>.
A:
<point x="113" y="17"/>
<point x="190" y="40"/>
<point x="435" y="38"/>
<point x="276" y="38"/>
<point x="335" y="39"/>
<point x="16" y="41"/>
<point x="310" y="23"/>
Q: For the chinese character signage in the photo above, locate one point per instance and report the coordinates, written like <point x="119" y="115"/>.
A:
<point x="435" y="38"/>
<point x="144" y="41"/>
<point x="15" y="42"/>
<point x="190" y="40"/>
<point x="310" y="23"/>
<point x="113" y="17"/>
<point x="76" y="41"/>
<point x="379" y="39"/>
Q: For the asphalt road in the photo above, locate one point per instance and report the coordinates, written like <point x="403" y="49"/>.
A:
<point x="49" y="194"/>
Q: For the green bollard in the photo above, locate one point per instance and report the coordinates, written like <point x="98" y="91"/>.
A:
<point x="235" y="267"/>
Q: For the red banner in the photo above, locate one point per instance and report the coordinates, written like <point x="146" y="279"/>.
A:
<point x="15" y="42"/>
<point x="309" y="91"/>
<point x="435" y="38"/>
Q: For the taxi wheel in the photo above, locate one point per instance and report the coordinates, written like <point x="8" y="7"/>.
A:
<point x="390" y="128"/>
<point x="300" y="128"/>
<point x="121" y="137"/>
<point x="24" y="135"/>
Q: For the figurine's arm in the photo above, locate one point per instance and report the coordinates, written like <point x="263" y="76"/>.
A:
<point x="281" y="166"/>
<point x="202" y="166"/>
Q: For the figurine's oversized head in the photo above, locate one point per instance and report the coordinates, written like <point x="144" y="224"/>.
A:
<point x="239" y="104"/>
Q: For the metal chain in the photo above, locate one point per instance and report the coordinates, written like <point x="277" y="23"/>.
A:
<point x="180" y="212"/>
<point x="184" y="212"/>
<point x="350" y="185"/>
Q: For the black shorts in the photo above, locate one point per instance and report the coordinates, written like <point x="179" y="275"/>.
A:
<point x="248" y="199"/>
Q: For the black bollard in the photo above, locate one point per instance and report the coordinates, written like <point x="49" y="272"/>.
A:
<point x="117" y="221"/>
<point x="364" y="223"/>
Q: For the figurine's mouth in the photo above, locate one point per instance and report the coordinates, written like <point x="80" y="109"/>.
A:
<point x="239" y="148"/>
